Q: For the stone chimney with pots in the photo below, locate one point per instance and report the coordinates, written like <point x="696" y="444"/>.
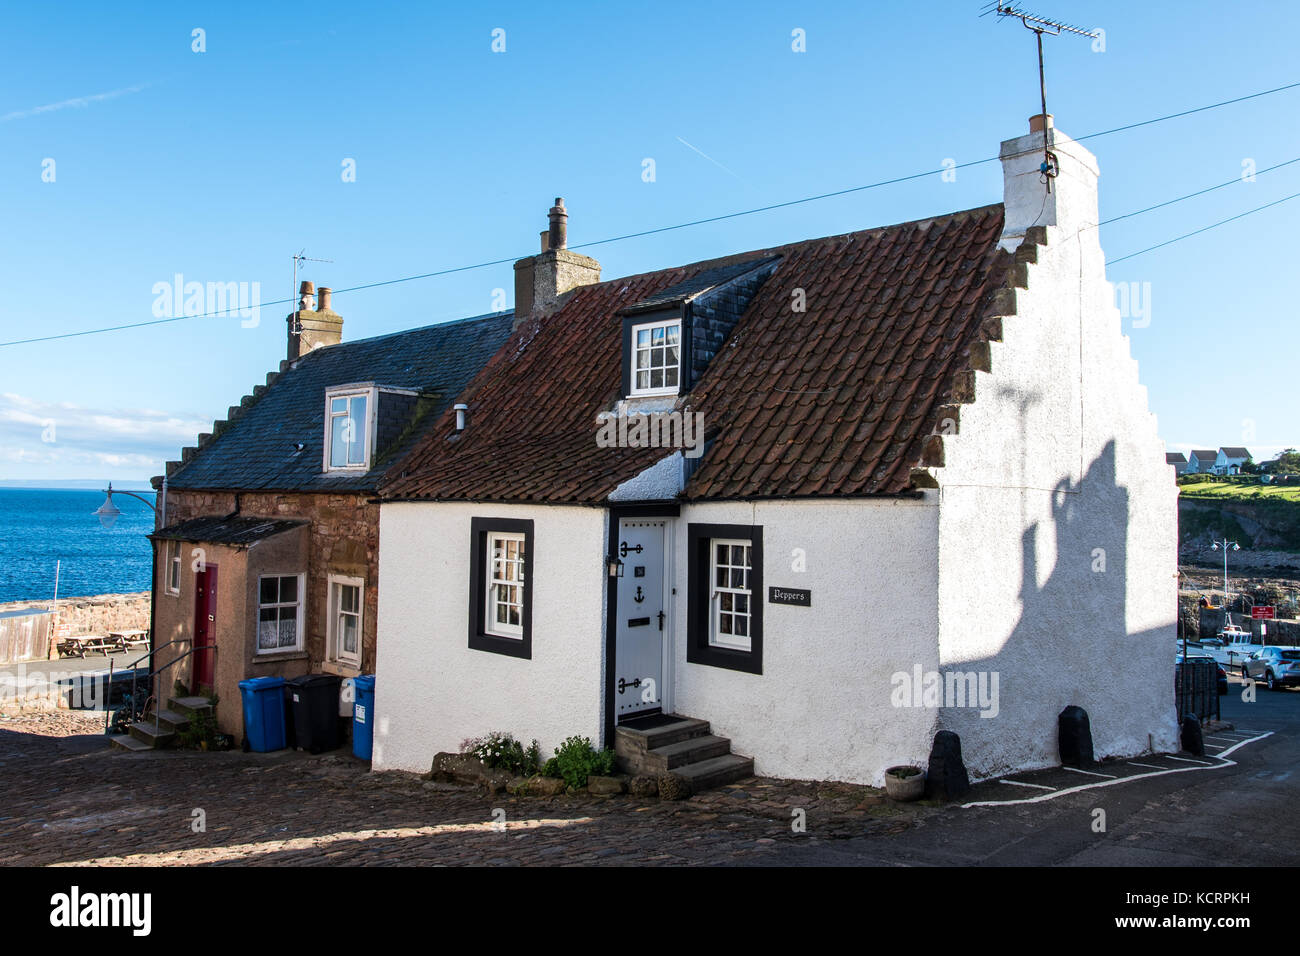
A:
<point x="542" y="279"/>
<point x="1070" y="203"/>
<point x="313" y="324"/>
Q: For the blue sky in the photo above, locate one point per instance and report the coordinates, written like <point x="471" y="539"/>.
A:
<point x="220" y="165"/>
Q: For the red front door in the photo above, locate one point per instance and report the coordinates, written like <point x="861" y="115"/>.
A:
<point x="205" y="626"/>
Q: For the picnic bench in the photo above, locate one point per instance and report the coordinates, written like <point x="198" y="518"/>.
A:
<point x="129" y="638"/>
<point x="78" y="646"/>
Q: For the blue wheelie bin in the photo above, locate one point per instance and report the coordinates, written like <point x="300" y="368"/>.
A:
<point x="363" y="716"/>
<point x="263" y="699"/>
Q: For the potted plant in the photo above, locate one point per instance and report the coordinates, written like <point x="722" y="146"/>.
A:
<point x="905" y="783"/>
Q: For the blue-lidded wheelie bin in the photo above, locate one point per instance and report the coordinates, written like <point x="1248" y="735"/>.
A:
<point x="263" y="699"/>
<point x="363" y="716"/>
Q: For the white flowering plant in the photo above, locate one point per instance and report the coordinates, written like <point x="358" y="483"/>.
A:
<point x="501" y="751"/>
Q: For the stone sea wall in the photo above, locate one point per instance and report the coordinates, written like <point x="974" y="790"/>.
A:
<point x="97" y="614"/>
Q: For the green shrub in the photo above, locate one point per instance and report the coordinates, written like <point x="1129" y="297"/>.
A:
<point x="200" y="733"/>
<point x="500" y="751"/>
<point x="576" y="760"/>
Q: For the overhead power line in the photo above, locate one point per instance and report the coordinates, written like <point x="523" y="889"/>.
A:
<point x="1197" y="232"/>
<point x="712" y="219"/>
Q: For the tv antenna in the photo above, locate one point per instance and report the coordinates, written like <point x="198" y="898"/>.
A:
<point x="296" y="329"/>
<point x="1039" y="25"/>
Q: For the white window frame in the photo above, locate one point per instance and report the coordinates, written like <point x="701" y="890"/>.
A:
<point x="302" y="616"/>
<point x="335" y="651"/>
<point x="172" y="572"/>
<point x="632" y="351"/>
<point x="716" y="637"/>
<point x="491" y="626"/>
<point x="367" y="440"/>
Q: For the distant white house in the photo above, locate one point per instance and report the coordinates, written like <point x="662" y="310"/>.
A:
<point x="1229" y="461"/>
<point x="1201" y="461"/>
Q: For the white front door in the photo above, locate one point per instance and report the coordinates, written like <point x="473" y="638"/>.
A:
<point x="641" y="618"/>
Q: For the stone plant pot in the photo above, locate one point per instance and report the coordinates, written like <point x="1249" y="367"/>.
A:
<point x="905" y="788"/>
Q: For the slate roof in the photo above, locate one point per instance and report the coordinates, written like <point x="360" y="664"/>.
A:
<point x="1235" y="452"/>
<point x="1205" y="454"/>
<point x="837" y="400"/>
<point x="258" y="450"/>
<point x="231" y="530"/>
<point x="1175" y="458"/>
<point x="694" y="287"/>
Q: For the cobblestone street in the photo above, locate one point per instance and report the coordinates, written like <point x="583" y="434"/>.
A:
<point x="70" y="800"/>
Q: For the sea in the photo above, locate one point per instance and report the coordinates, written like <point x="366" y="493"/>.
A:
<point x="42" y="527"/>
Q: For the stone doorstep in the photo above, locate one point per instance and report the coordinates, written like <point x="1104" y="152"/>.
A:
<point x="189" y="706"/>
<point x="689" y="751"/>
<point x="636" y="742"/>
<point x="144" y="731"/>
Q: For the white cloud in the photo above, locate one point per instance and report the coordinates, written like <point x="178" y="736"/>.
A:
<point x="63" y="440"/>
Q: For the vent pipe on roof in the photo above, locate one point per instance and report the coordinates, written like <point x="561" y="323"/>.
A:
<point x="462" y="416"/>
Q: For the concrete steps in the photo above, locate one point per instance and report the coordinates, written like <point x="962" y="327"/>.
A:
<point x="685" y="747"/>
<point x="717" y="772"/>
<point x="159" y="728"/>
<point x="128" y="743"/>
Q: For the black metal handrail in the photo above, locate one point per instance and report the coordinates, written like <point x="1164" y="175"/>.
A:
<point x="108" y="694"/>
<point x="177" y="660"/>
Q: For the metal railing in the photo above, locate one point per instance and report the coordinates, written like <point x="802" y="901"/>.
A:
<point x="177" y="660"/>
<point x="1196" y="689"/>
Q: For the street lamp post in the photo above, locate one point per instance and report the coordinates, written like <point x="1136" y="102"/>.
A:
<point x="1227" y="546"/>
<point x="108" y="514"/>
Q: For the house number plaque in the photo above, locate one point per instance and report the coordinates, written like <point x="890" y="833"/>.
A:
<point x="793" y="596"/>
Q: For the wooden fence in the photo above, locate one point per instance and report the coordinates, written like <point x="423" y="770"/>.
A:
<point x="25" y="635"/>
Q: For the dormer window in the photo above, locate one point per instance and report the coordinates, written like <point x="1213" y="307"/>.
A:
<point x="349" y="436"/>
<point x="656" y="358"/>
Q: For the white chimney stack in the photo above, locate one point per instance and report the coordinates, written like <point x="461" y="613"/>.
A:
<point x="1071" y="202"/>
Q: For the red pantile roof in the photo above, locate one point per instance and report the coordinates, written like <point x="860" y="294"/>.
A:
<point x="840" y="399"/>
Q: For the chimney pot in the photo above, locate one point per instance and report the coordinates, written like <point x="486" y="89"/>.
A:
<point x="546" y="239"/>
<point x="1036" y="122"/>
<point x="308" y="328"/>
<point x="559" y="232"/>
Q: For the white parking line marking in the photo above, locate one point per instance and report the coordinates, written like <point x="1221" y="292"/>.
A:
<point x="1203" y="763"/>
<point x="1017" y="783"/>
<point x="1217" y="737"/>
<point x="1109" y="776"/>
<point x="1111" y="783"/>
<point x="1149" y="766"/>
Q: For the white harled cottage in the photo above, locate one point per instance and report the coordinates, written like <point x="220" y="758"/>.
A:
<point x="804" y="506"/>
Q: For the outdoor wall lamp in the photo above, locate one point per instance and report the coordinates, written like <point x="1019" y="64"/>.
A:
<point x="108" y="512"/>
<point x="615" y="566"/>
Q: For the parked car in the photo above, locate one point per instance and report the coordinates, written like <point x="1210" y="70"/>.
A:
<point x="1221" y="682"/>
<point x="1277" y="667"/>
